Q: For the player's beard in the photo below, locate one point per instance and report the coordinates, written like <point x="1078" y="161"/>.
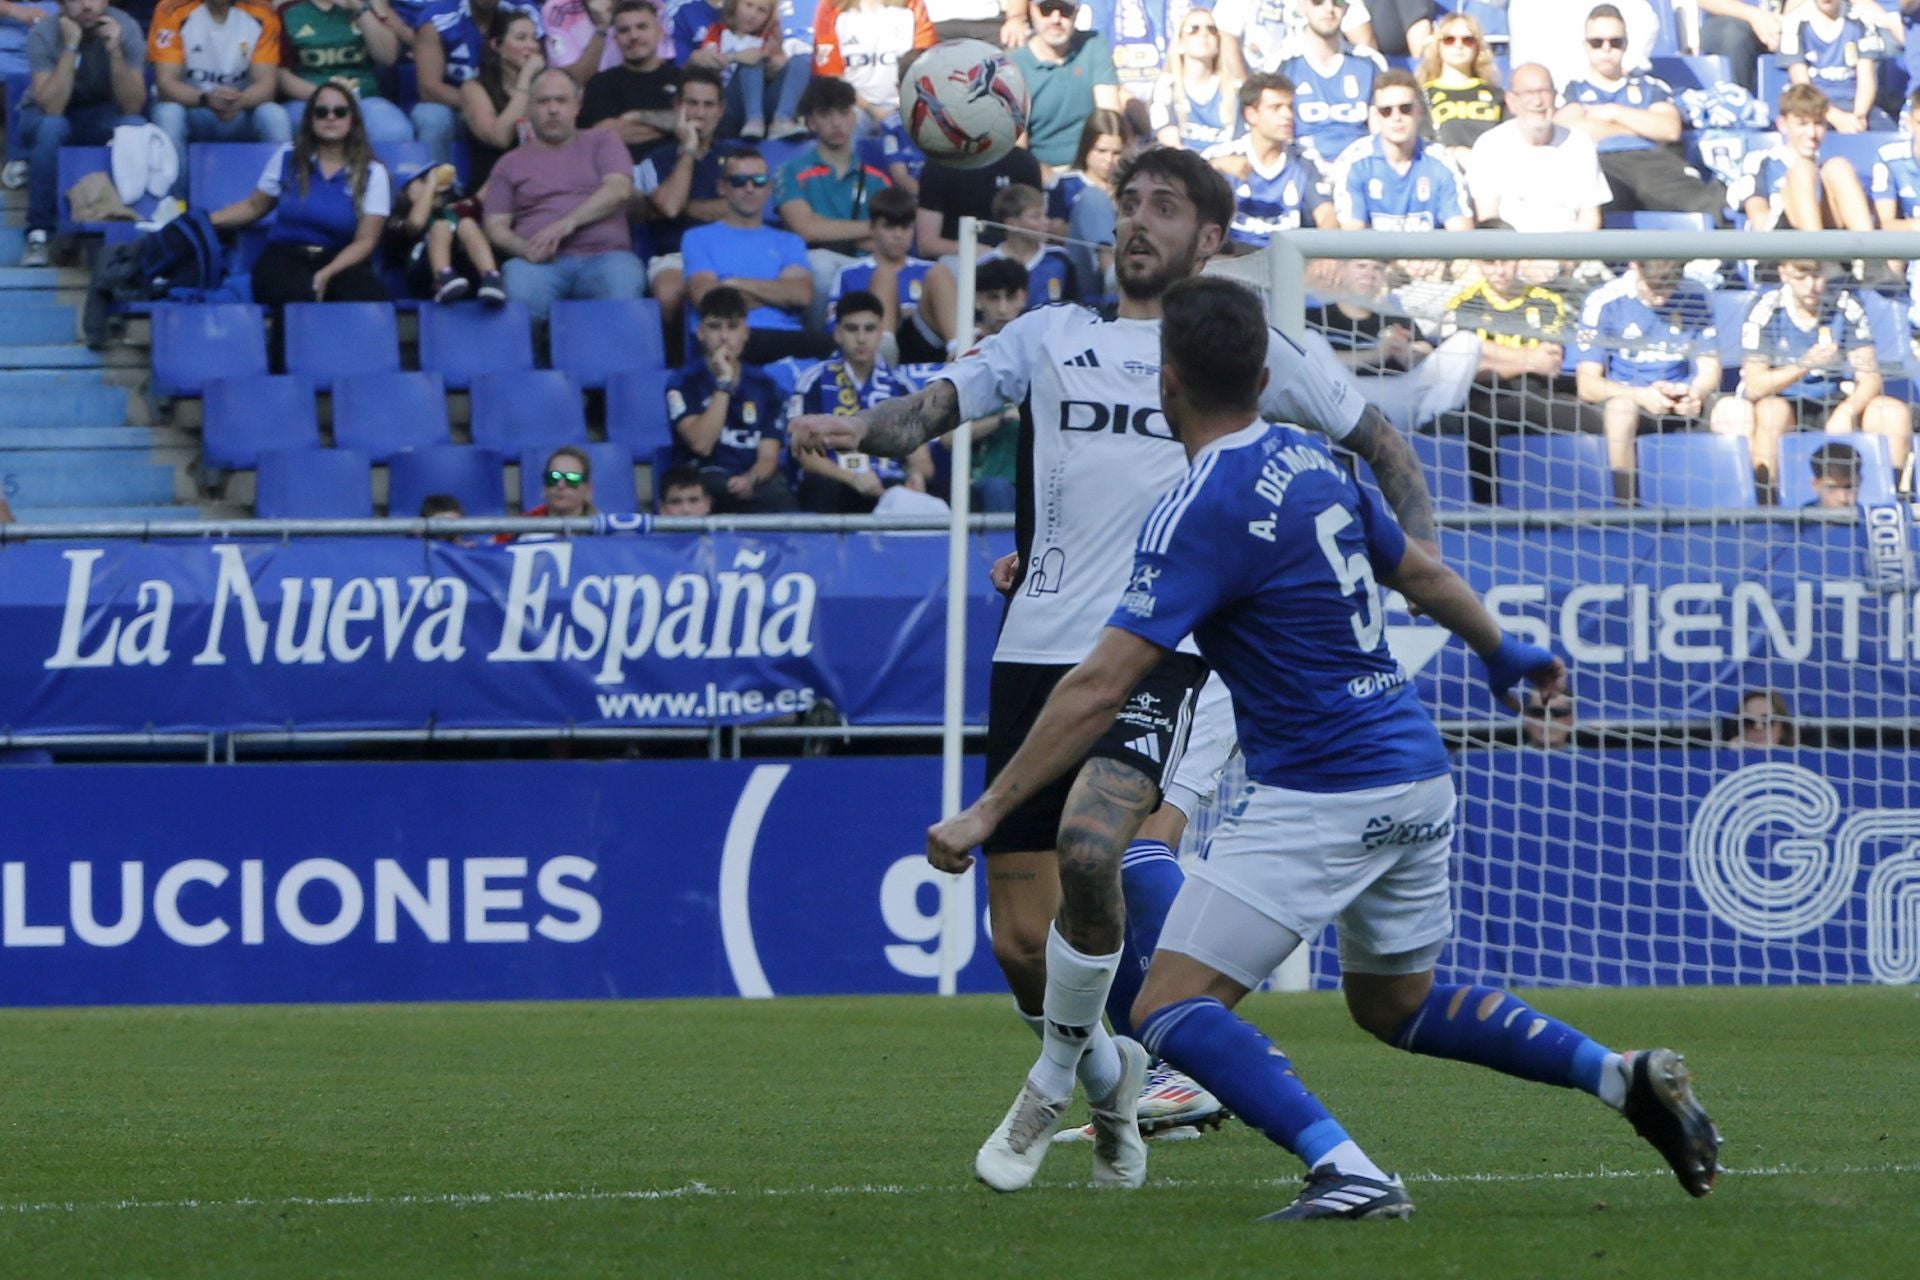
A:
<point x="1147" y="284"/>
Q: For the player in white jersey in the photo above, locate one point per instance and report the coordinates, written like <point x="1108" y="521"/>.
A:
<point x="1271" y="556"/>
<point x="1096" y="454"/>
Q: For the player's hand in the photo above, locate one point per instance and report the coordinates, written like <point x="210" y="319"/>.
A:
<point x="950" y="844"/>
<point x="1005" y="572"/>
<point x="820" y="433"/>
<point x="1514" y="661"/>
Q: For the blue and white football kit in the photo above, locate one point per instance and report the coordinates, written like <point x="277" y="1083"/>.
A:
<point x="1774" y="331"/>
<point x="1281" y="196"/>
<point x="1330" y="103"/>
<point x="1379" y="196"/>
<point x="1640" y="344"/>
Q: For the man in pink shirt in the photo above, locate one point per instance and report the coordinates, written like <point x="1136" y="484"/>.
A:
<point x="557" y="205"/>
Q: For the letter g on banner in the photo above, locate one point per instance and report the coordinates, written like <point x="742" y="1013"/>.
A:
<point x="1733" y="818"/>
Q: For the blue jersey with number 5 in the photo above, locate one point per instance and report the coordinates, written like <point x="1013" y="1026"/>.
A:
<point x="1270" y="555"/>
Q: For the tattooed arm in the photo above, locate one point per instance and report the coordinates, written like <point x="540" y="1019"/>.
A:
<point x="1397" y="468"/>
<point x="1078" y="711"/>
<point x="892" y="429"/>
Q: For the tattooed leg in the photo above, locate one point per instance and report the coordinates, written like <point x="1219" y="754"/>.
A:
<point x="1104" y="811"/>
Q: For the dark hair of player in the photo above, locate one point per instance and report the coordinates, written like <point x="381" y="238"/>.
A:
<point x="1213" y="332"/>
<point x="1212" y="197"/>
<point x="894" y="206"/>
<point x="859" y="302"/>
<point x="825" y="93"/>
<point x="723" y="302"/>
<point x="1001" y="275"/>
<point x="1258" y="83"/>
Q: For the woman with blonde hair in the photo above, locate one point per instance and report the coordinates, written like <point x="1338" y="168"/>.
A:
<point x="1464" y="98"/>
<point x="1195" y="103"/>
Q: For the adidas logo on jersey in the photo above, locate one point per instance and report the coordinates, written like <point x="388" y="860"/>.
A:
<point x="1147" y="745"/>
<point x="1085" y="360"/>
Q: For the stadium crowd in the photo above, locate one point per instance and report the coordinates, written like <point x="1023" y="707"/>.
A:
<point x="747" y="166"/>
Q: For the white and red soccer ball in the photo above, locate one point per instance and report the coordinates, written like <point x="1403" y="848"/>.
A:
<point x="964" y="103"/>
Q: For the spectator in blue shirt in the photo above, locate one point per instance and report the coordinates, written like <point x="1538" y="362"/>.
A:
<point x="891" y="272"/>
<point x="1195" y="103"/>
<point x="1068" y="74"/>
<point x="1826" y="42"/>
<point x="1080" y="203"/>
<point x="769" y="266"/>
<point x="727" y="415"/>
<point x="1740" y="31"/>
<point x="1808" y="363"/>
<point x="1333" y="85"/>
<point x="1635" y="125"/>
<point x="1790" y="186"/>
<point x="1393" y="182"/>
<point x="1896" y="195"/>
<point x="858" y="378"/>
<point x="1275" y="188"/>
<point x="1648" y="355"/>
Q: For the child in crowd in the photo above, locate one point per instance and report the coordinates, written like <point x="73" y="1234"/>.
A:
<point x="858" y="378"/>
<point x="440" y="225"/>
<point x="728" y="417"/>
<point x="749" y="44"/>
<point x="891" y="272"/>
<point x="1000" y="295"/>
<point x="1050" y="272"/>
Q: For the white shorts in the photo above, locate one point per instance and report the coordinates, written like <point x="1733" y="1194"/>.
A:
<point x="664" y="262"/>
<point x="1375" y="863"/>
<point x="1210" y="744"/>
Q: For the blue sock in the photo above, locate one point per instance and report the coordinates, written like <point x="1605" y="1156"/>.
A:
<point x="1150" y="876"/>
<point x="1494" y="1029"/>
<point x="1245" y="1071"/>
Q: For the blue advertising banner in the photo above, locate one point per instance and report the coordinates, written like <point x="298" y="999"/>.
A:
<point x="656" y="630"/>
<point x="682" y="629"/>
<point x="562" y="880"/>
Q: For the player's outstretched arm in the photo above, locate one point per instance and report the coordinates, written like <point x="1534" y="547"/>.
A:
<point x="1423" y="578"/>
<point x="1397" y="470"/>
<point x="1080" y="708"/>
<point x="892" y="429"/>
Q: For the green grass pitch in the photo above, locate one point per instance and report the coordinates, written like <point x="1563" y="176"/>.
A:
<point x="799" y="1138"/>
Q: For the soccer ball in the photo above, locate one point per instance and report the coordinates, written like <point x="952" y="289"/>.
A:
<point x="965" y="103"/>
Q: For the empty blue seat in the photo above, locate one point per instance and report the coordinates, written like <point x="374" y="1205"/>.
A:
<point x="1773" y="78"/>
<point x="459" y="343"/>
<point x="313" y="484"/>
<point x="473" y="475"/>
<point x="193" y="344"/>
<point x="637" y="410"/>
<point x="248" y="416"/>
<point x="1702" y="71"/>
<point x="594" y="339"/>
<point x="76" y="163"/>
<point x="404" y="161"/>
<point x="328" y="339"/>
<point x="1444" y="459"/>
<point x="1796" y="476"/>
<point x="1695" y="471"/>
<point x="515" y="411"/>
<point x="613" y="487"/>
<point x="1554" y="473"/>
<point x="1888" y="321"/>
<point x="219" y="173"/>
<point x="381" y="414"/>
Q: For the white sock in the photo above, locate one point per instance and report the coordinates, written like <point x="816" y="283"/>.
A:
<point x="1349" y="1159"/>
<point x="1614" y="1077"/>
<point x="1076" y="998"/>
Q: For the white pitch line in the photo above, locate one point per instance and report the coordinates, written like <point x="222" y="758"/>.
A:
<point x="698" y="1190"/>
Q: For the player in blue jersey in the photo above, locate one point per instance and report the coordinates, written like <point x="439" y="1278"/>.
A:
<point x="1275" y="188"/>
<point x="1333" y="83"/>
<point x="850" y="483"/>
<point x="1808" y="362"/>
<point x="1827" y="45"/>
<point x="1648" y="354"/>
<point x="1272" y="557"/>
<point x="1393" y="181"/>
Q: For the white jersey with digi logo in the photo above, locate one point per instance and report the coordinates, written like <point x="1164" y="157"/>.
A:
<point x="1096" y="453"/>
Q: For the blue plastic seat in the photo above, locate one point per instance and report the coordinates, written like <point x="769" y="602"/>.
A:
<point x="637" y="410"/>
<point x="660" y="461"/>
<point x="1555" y="473"/>
<point x="473" y="475"/>
<point x="255" y="414"/>
<point x="613" y="488"/>
<point x="1444" y="459"/>
<point x="1695" y="471"/>
<point x="1888" y="321"/>
<point x="219" y="173"/>
<point x="1796" y="476"/>
<point x="1772" y="78"/>
<point x="1659" y="220"/>
<point x="459" y="343"/>
<point x="193" y="344"/>
<point x="1730" y="307"/>
<point x="381" y="414"/>
<point x="515" y="411"/>
<point x="404" y="161"/>
<point x="1702" y="71"/>
<point x="1862" y="150"/>
<point x="326" y="340"/>
<point x="313" y="484"/>
<point x="76" y="163"/>
<point x="593" y="339"/>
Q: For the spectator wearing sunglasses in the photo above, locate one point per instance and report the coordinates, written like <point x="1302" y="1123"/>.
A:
<point x="768" y="266"/>
<point x="558" y="204"/>
<point x="1764" y="721"/>
<point x="1553" y="35"/>
<point x="1068" y="74"/>
<point x="1259" y="35"/>
<point x="566" y="489"/>
<point x="1462" y="84"/>
<point x="1195" y="104"/>
<point x="728" y="416"/>
<point x="1391" y="181"/>
<point x="1635" y="126"/>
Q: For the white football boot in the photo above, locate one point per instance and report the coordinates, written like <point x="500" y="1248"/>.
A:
<point x="1119" y="1152"/>
<point x="1011" y="1155"/>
